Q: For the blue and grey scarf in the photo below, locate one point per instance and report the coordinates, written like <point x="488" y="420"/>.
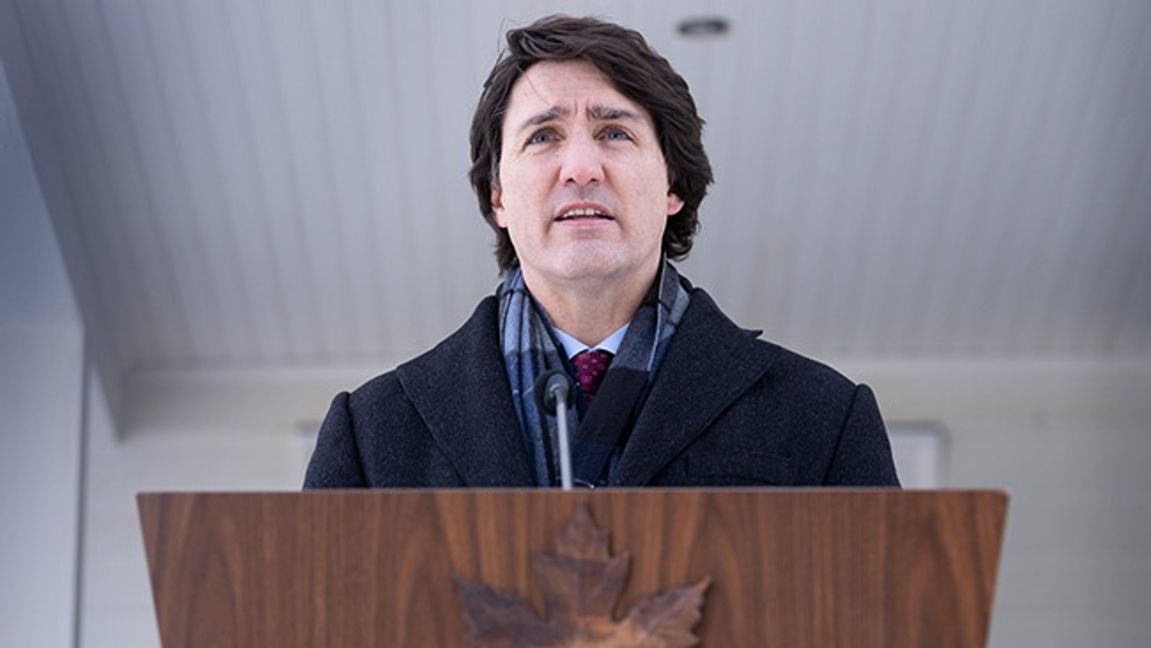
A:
<point x="530" y="349"/>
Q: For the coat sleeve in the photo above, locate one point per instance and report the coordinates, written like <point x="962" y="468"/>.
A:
<point x="863" y="452"/>
<point x="336" y="460"/>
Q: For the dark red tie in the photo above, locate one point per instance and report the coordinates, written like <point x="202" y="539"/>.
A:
<point x="590" y="367"/>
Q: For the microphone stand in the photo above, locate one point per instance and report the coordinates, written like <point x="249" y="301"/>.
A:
<point x="554" y="394"/>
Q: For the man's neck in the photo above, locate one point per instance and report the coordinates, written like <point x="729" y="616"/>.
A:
<point x="591" y="309"/>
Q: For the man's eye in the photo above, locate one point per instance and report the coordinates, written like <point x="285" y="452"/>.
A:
<point x="618" y="134"/>
<point x="541" y="137"/>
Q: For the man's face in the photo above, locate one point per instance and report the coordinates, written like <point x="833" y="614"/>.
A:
<point x="583" y="187"/>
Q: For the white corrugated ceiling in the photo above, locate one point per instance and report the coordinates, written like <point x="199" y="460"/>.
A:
<point x="265" y="183"/>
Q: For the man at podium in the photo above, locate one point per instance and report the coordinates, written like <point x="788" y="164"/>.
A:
<point x="588" y="163"/>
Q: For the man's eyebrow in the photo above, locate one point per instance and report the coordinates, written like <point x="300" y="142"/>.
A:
<point x="551" y="114"/>
<point x="596" y="113"/>
<point x="609" y="113"/>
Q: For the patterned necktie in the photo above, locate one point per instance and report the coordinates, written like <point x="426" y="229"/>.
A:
<point x="590" y="367"/>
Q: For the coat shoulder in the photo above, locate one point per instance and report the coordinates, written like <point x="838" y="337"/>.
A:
<point x="448" y="353"/>
<point x="797" y="421"/>
<point x="382" y="433"/>
<point x="785" y="365"/>
<point x="790" y="366"/>
<point x="477" y="337"/>
<point x="382" y="389"/>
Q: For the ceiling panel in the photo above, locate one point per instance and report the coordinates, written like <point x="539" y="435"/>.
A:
<point x="266" y="183"/>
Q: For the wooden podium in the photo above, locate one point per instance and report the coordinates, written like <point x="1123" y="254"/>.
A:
<point x="766" y="567"/>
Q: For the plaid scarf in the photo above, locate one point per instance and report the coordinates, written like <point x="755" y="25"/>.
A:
<point x="530" y="349"/>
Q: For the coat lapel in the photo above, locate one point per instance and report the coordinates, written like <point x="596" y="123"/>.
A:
<point x="460" y="389"/>
<point x="710" y="363"/>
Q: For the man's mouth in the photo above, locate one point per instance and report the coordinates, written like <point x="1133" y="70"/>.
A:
<point x="583" y="213"/>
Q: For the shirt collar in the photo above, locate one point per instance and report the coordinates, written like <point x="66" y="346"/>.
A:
<point x="610" y="344"/>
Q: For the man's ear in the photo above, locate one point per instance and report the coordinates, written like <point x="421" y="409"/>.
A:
<point x="674" y="204"/>
<point x="498" y="206"/>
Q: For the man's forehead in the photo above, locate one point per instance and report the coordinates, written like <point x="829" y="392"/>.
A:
<point x="551" y="90"/>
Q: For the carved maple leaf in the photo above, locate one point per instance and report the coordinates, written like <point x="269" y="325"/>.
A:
<point x="581" y="583"/>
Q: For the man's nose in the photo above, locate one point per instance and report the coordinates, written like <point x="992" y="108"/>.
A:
<point x="582" y="162"/>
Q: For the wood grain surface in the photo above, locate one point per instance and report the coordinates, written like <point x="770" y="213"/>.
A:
<point x="788" y="568"/>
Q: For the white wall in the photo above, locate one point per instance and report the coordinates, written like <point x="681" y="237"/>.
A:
<point x="41" y="364"/>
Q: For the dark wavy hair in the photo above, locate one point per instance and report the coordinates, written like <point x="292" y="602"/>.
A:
<point x="638" y="72"/>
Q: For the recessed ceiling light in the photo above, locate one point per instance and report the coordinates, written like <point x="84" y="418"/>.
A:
<point x="704" y="27"/>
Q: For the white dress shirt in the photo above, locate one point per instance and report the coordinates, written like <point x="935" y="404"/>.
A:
<point x="610" y="344"/>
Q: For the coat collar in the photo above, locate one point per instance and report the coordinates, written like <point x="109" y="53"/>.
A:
<point x="461" y="391"/>
<point x="710" y="363"/>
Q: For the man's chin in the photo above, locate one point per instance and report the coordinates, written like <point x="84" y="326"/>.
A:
<point x="590" y="264"/>
<point x="593" y="269"/>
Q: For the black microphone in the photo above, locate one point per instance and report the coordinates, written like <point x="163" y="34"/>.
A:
<point x="551" y="388"/>
<point x="554" y="394"/>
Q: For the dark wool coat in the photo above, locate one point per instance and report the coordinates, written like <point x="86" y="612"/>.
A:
<point x="725" y="409"/>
